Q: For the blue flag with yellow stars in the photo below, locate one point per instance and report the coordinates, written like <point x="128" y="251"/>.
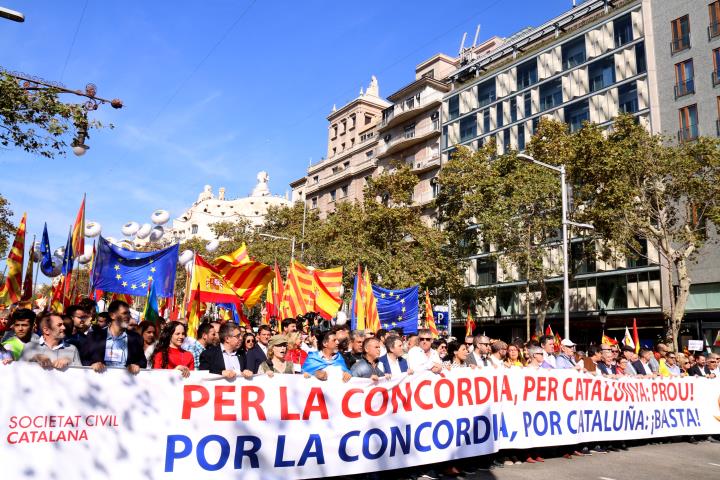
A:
<point x="397" y="308"/>
<point x="119" y="270"/>
<point x="46" y="264"/>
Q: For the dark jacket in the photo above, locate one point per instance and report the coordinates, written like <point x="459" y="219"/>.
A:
<point x="695" y="371"/>
<point x="212" y="359"/>
<point x="351" y="357"/>
<point x="640" y="368"/>
<point x="386" y="363"/>
<point x="94" y="348"/>
<point x="253" y="358"/>
<point x="607" y="369"/>
<point x="79" y="340"/>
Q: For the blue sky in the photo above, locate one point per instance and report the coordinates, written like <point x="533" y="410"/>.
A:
<point x="213" y="95"/>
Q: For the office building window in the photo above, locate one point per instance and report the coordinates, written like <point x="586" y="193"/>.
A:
<point x="507" y="146"/>
<point x="527" y="74"/>
<point x="535" y="123"/>
<point x="640" y="58"/>
<point x="714" y="12"/>
<point x="684" y="78"/>
<point x="680" y="28"/>
<point x="468" y="128"/>
<point x="499" y="116"/>
<point x="527" y="100"/>
<point x="612" y="292"/>
<point x="573" y="52"/>
<point x="577" y="113"/>
<point x="628" y="98"/>
<point x="623" y="32"/>
<point x="445" y="137"/>
<point x="550" y="94"/>
<point x="688" y="123"/>
<point x="521" y="137"/>
<point x="486" y="93"/>
<point x="486" y="271"/>
<point x="454" y="107"/>
<point x="486" y="120"/>
<point x="602" y="73"/>
<point x="513" y="109"/>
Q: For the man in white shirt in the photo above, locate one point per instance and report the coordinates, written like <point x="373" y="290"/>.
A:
<point x="393" y="362"/>
<point x="547" y="343"/>
<point x="713" y="366"/>
<point x="422" y="357"/>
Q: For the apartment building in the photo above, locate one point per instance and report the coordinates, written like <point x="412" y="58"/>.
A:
<point x="409" y="131"/>
<point x="351" y="154"/>
<point x="687" y="61"/>
<point x="588" y="64"/>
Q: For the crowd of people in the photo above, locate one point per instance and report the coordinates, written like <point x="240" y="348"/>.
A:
<point x="83" y="337"/>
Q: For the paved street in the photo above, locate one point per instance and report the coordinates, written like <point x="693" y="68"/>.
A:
<point x="651" y="462"/>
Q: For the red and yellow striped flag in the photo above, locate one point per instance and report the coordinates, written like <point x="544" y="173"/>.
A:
<point x="372" y="317"/>
<point x="270" y="305"/>
<point x="327" y="285"/>
<point x="298" y="295"/>
<point x="78" y="232"/>
<point x="28" y="282"/>
<point x="56" y="302"/>
<point x="195" y="312"/>
<point x="429" y="317"/>
<point x="12" y="290"/>
<point x="469" y="325"/>
<point x="247" y="277"/>
<point x="278" y="292"/>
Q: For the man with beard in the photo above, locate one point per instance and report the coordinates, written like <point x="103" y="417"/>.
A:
<point x="116" y="346"/>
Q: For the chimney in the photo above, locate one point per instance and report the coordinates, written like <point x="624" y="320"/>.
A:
<point x="221" y="193"/>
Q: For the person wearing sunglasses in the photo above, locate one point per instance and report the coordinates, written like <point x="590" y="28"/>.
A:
<point x="277" y="361"/>
<point x="422" y="357"/>
<point x="248" y="342"/>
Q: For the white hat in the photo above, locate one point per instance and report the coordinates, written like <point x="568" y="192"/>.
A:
<point x="567" y="343"/>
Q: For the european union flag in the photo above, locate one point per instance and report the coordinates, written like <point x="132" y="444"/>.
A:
<point x="397" y="308"/>
<point x="119" y="270"/>
<point x="46" y="263"/>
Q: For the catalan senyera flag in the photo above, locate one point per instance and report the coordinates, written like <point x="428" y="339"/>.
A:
<point x="278" y="289"/>
<point x="247" y="277"/>
<point x="429" y="317"/>
<point x="636" y="337"/>
<point x="357" y="312"/>
<point x="298" y="294"/>
<point x="372" y="316"/>
<point x="28" y="282"/>
<point x="211" y="284"/>
<point x="327" y="285"/>
<point x="12" y="290"/>
<point x="78" y="232"/>
<point x="469" y="325"/>
<point x="271" y="308"/>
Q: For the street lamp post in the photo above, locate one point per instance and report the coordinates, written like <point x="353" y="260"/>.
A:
<point x="11" y="15"/>
<point x="565" y="222"/>
<point x="276" y="237"/>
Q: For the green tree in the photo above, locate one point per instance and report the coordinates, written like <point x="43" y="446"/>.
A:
<point x="7" y="229"/>
<point x="33" y="118"/>
<point x="634" y="185"/>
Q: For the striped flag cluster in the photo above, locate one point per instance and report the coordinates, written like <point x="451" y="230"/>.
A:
<point x="247" y="277"/>
<point x="12" y="290"/>
<point x="311" y="290"/>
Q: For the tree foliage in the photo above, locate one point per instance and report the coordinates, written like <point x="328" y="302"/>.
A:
<point x="7" y="229"/>
<point x="34" y="118"/>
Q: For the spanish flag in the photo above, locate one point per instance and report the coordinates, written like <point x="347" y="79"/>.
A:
<point x="211" y="285"/>
<point x="247" y="277"/>
<point x="429" y="317"/>
<point x="636" y="337"/>
<point x="78" y="232"/>
<point x="12" y="290"/>
<point x="56" y="302"/>
<point x="605" y="340"/>
<point x="195" y="312"/>
<point x="270" y="306"/>
<point x="469" y="325"/>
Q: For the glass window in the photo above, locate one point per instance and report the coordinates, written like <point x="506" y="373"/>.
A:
<point x="581" y="258"/>
<point x="688" y="123"/>
<point x="716" y="66"/>
<point x="576" y="114"/>
<point x="486" y="93"/>
<point x="454" y="107"/>
<point x="527" y="99"/>
<point x="714" y="12"/>
<point x="506" y="140"/>
<point x="513" y="109"/>
<point x="550" y="94"/>
<point x="445" y="136"/>
<point x="521" y="137"/>
<point x="486" y="120"/>
<point x="612" y="292"/>
<point x="623" y="30"/>
<point x="684" y="78"/>
<point x="527" y="74"/>
<point x="640" y="257"/>
<point x="194" y="229"/>
<point x="628" y="98"/>
<point x="640" y="58"/>
<point x="573" y="52"/>
<point x="344" y="191"/>
<point x="332" y="195"/>
<point x="468" y="128"/>
<point x="499" y="114"/>
<point x="680" y="28"/>
<point x="602" y="73"/>
<point x="486" y="271"/>
<point x="410" y="131"/>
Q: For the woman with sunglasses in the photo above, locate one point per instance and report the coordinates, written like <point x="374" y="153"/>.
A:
<point x="248" y="342"/>
<point x="277" y="361"/>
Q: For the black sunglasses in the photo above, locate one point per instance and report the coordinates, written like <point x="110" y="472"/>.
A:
<point x="423" y="339"/>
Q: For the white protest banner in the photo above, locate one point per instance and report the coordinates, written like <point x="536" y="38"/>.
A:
<point x="696" y="345"/>
<point x="156" y="425"/>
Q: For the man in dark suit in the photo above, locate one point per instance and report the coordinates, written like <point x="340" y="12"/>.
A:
<point x="393" y="362"/>
<point x="699" y="369"/>
<point x="225" y="359"/>
<point x="115" y="346"/>
<point x="606" y="365"/>
<point x="642" y="365"/>
<point x="258" y="354"/>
